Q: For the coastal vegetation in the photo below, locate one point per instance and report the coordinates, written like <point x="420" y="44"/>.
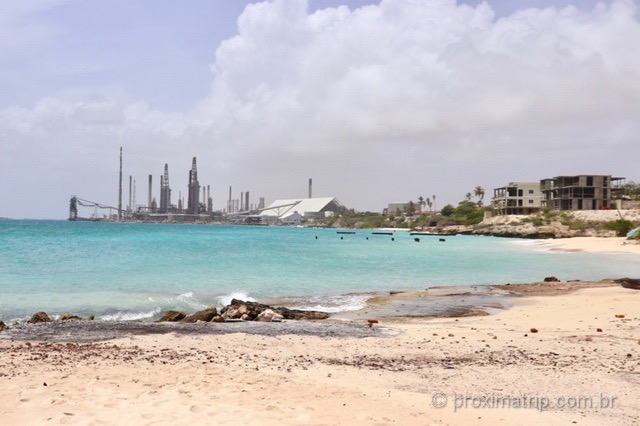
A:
<point x="470" y="216"/>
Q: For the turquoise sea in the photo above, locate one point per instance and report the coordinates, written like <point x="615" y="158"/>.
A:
<point x="138" y="270"/>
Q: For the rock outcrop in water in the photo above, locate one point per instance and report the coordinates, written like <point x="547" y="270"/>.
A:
<point x="251" y="311"/>
<point x="206" y="315"/>
<point x="39" y="317"/>
<point x="172" y="316"/>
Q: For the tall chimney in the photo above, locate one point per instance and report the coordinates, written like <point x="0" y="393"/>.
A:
<point x="310" y="188"/>
<point x="120" y="189"/>
<point x="246" y="201"/>
<point x="149" y="202"/>
<point x="130" y="184"/>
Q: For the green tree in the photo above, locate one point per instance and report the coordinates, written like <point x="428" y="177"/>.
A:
<point x="429" y="203"/>
<point x="479" y="193"/>
<point x="448" y="210"/>
<point x="410" y="208"/>
<point x="631" y="190"/>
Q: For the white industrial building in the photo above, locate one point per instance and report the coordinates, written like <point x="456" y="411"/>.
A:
<point x="296" y="210"/>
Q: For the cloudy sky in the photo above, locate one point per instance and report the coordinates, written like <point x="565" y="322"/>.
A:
<point x="377" y="101"/>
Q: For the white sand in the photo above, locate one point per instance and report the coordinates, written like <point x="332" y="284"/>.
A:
<point x="593" y="244"/>
<point x="241" y="379"/>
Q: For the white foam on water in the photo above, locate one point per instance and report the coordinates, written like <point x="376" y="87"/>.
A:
<point x="130" y="316"/>
<point x="225" y="300"/>
<point x="190" y="300"/>
<point x="333" y="304"/>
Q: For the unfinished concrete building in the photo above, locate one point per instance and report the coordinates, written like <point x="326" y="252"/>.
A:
<point x="517" y="198"/>
<point x="581" y="192"/>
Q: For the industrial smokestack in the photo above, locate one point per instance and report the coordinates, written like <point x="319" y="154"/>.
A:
<point x="130" y="194"/>
<point x="310" y="188"/>
<point x="246" y="201"/>
<point x="149" y="202"/>
<point x="120" y="189"/>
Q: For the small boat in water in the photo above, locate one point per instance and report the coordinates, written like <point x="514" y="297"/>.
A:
<point x="632" y="283"/>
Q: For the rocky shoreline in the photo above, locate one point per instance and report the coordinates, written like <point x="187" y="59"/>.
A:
<point x="255" y="318"/>
<point x="566" y="225"/>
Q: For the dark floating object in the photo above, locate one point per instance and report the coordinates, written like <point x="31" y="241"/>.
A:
<point x="382" y="233"/>
<point x="442" y="240"/>
<point x="345" y="232"/>
<point x="417" y="240"/>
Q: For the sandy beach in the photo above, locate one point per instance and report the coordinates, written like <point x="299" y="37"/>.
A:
<point x="570" y="358"/>
<point x="592" y="244"/>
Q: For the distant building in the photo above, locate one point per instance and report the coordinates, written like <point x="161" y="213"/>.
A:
<point x="581" y="192"/>
<point x="396" y="209"/>
<point x="517" y="198"/>
<point x="294" y="210"/>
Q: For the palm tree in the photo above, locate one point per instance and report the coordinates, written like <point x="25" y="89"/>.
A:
<point x="429" y="203"/>
<point x="479" y="192"/>
<point x="467" y="196"/>
<point x="434" y="202"/>
<point x="421" y="202"/>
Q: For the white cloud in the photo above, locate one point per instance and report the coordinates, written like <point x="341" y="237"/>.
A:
<point x="382" y="103"/>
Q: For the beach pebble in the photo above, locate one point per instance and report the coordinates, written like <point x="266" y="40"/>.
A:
<point x="599" y="330"/>
<point x="534" y="330"/>
<point x="2" y="325"/>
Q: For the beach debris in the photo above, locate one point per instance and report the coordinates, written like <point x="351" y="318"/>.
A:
<point x="619" y="315"/>
<point x="65" y="316"/>
<point x="371" y="322"/>
<point x="551" y="279"/>
<point x="2" y="325"/>
<point x="217" y="318"/>
<point x="172" y="316"/>
<point x="599" y="330"/>
<point x="91" y="317"/>
<point x="205" y="315"/>
<point x="534" y="330"/>
<point x="39" y="317"/>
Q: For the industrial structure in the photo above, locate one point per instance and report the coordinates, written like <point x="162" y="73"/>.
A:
<point x="199" y="206"/>
<point x="294" y="211"/>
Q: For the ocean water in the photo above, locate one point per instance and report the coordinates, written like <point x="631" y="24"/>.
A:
<point x="139" y="270"/>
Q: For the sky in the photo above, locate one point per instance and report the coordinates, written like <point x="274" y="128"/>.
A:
<point x="376" y="101"/>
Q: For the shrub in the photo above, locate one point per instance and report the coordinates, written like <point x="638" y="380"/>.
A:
<point x="621" y="226"/>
